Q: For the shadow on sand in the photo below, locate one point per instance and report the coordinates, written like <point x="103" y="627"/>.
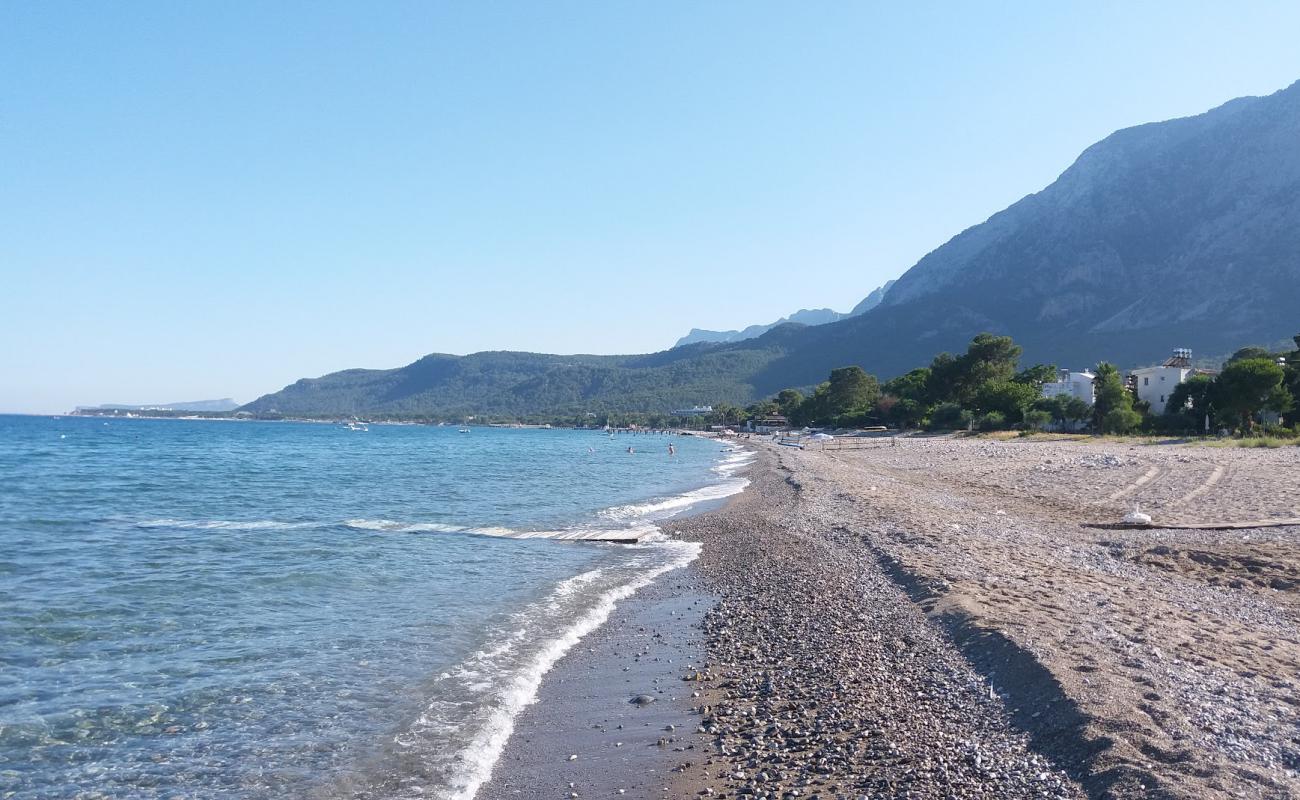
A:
<point x="1034" y="699"/>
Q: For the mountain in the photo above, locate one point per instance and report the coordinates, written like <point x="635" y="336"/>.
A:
<point x="520" y="384"/>
<point x="804" y="316"/>
<point x="224" y="404"/>
<point x="872" y="300"/>
<point x="1184" y="233"/>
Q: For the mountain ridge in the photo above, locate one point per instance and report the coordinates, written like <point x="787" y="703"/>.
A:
<point x="804" y="316"/>
<point x="1181" y="233"/>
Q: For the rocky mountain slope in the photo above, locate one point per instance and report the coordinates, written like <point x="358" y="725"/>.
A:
<point x="804" y="316"/>
<point x="1183" y="233"/>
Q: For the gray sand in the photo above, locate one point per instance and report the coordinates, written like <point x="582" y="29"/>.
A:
<point x="932" y="620"/>
<point x="583" y="707"/>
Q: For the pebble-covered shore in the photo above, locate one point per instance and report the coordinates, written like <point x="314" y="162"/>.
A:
<point x="825" y="680"/>
<point x="931" y="619"/>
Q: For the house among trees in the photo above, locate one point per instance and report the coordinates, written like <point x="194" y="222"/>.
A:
<point x="1154" y="385"/>
<point x="1072" y="384"/>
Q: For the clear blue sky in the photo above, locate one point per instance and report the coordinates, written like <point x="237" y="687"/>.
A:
<point x="210" y="199"/>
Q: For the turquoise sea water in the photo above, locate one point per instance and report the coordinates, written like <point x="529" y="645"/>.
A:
<point x="255" y="610"/>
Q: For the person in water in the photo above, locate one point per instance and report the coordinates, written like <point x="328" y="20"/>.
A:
<point x="672" y="451"/>
<point x="631" y="450"/>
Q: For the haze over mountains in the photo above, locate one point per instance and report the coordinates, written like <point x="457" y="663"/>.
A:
<point x="224" y="404"/>
<point x="1184" y="233"/>
<point x="804" y="316"/>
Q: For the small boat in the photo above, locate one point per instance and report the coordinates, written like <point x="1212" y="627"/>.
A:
<point x="358" y="426"/>
<point x="462" y="430"/>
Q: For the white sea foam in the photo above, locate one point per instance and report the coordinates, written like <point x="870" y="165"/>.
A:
<point x="666" y="507"/>
<point x="512" y="683"/>
<point x="226" y="525"/>
<point x="394" y="526"/>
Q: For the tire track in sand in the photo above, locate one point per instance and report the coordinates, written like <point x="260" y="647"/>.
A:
<point x="1150" y="475"/>
<point x="1215" y="476"/>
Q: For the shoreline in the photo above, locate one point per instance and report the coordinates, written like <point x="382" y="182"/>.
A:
<point x="660" y="616"/>
<point x="583" y="736"/>
<point x="931" y="619"/>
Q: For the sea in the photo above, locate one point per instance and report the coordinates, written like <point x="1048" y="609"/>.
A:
<point x="241" y="609"/>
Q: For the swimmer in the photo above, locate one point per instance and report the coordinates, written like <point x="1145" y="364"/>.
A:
<point x="672" y="451"/>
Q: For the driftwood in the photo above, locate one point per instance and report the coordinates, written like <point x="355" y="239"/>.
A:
<point x="1198" y="526"/>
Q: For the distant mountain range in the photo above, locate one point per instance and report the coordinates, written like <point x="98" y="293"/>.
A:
<point x="804" y="316"/>
<point x="224" y="404"/>
<point x="1183" y="233"/>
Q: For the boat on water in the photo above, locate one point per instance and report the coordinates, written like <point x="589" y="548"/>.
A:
<point x="462" y="430"/>
<point x="358" y="426"/>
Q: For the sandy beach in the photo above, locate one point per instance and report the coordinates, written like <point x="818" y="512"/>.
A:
<point x="938" y="617"/>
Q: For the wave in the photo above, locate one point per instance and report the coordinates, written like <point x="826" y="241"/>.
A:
<point x="226" y="525"/>
<point x="630" y="521"/>
<point x="503" y="677"/>
<point x="662" y="508"/>
<point x="394" y="526"/>
<point x="575" y="533"/>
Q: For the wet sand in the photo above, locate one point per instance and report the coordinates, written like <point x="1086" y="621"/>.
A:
<point x="584" y="708"/>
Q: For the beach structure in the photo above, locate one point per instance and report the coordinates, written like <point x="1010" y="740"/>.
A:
<point x="1072" y="384"/>
<point x="693" y="411"/>
<point x="771" y="423"/>
<point x="1154" y="384"/>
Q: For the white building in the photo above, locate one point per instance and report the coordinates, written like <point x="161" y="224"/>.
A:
<point x="1155" y="384"/>
<point x="694" y="411"/>
<point x="1072" y="384"/>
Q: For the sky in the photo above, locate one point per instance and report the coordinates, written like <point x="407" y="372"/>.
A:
<point x="203" y="200"/>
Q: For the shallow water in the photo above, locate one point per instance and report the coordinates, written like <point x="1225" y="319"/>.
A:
<point x="221" y="609"/>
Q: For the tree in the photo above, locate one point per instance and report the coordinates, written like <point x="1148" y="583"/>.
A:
<point x="1065" y="410"/>
<point x="1111" y="395"/>
<point x="1192" y="396"/>
<point x="903" y="412"/>
<point x="989" y="358"/>
<point x="788" y="400"/>
<point x="813" y="409"/>
<point x="1008" y="398"/>
<point x="850" y="392"/>
<point x="1037" y="419"/>
<point x="1036" y="375"/>
<point x="727" y="414"/>
<point x="1250" y="386"/>
<point x="912" y="398"/>
<point x="1293" y="376"/>
<point x="912" y="386"/>
<point x="942" y="378"/>
<point x="1120" y="420"/>
<point x="1249" y="353"/>
<point x="949" y="417"/>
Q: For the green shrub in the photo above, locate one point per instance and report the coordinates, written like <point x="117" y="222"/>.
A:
<point x="992" y="421"/>
<point x="1120" y="421"/>
<point x="1262" y="441"/>
<point x="949" y="417"/>
<point x="1037" y="419"/>
<point x="1279" y="432"/>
